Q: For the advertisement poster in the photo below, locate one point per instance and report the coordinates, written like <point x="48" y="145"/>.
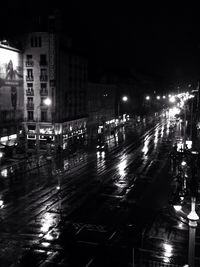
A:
<point x="11" y="79"/>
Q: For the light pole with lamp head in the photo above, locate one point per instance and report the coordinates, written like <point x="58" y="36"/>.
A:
<point x="193" y="218"/>
<point x="47" y="102"/>
<point x="124" y="99"/>
<point x="1" y="156"/>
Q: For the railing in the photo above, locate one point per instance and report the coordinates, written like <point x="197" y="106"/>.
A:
<point x="29" y="78"/>
<point x="43" y="77"/>
<point x="30" y="106"/>
<point x="44" y="92"/>
<point x="29" y="92"/>
<point x="29" y="63"/>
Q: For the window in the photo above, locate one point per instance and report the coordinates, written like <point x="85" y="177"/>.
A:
<point x="43" y="116"/>
<point x="29" y="57"/>
<point x="30" y="100"/>
<point x="44" y="72"/>
<point x="30" y="115"/>
<point x="43" y="59"/>
<point x="29" y="73"/>
<point x="43" y="86"/>
<point x="30" y="86"/>
<point x="39" y="41"/>
<point x="36" y="41"/>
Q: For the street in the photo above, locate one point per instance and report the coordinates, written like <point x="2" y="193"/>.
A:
<point x="93" y="208"/>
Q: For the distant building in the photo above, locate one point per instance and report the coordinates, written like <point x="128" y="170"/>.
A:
<point x="53" y="72"/>
<point x="101" y="108"/>
<point x="11" y="94"/>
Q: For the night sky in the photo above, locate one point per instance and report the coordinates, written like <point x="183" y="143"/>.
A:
<point x="157" y="41"/>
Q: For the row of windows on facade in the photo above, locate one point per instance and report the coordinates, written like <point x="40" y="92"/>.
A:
<point x="29" y="59"/>
<point x="43" y="72"/>
<point x="73" y="66"/>
<point x="36" y="41"/>
<point x="43" y="114"/>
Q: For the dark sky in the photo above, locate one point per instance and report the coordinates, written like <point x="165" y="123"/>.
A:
<point x="158" y="40"/>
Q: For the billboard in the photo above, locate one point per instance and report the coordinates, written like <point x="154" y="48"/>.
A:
<point x="11" y="79"/>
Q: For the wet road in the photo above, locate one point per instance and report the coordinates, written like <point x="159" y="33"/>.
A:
<point x="69" y="210"/>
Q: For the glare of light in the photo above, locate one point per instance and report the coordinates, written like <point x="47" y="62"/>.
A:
<point x="45" y="244"/>
<point x="147" y="97"/>
<point x="168" y="250"/>
<point x="47" y="101"/>
<point x="158" y="97"/>
<point x="125" y="98"/>
<point x="177" y="207"/>
<point x="1" y="155"/>
<point x="169" y="96"/>
<point x="103" y="154"/>
<point x="58" y="187"/>
<point x="145" y="148"/>
<point x="47" y="222"/>
<point x="4" y="173"/>
<point x="1" y="204"/>
<point x="164" y="97"/>
<point x="183" y="163"/>
<point x="48" y="236"/>
<point x="180" y="225"/>
<point x="122" y="167"/>
<point x="172" y="99"/>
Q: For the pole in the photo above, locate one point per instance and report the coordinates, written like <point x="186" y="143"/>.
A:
<point x="118" y="108"/>
<point x="191" y="251"/>
<point x="184" y="129"/>
<point x="193" y="218"/>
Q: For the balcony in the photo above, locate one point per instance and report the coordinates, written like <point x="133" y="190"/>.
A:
<point x="44" y="92"/>
<point x="30" y="106"/>
<point x="43" y="63"/>
<point x="29" y="92"/>
<point x="29" y="63"/>
<point x="43" y="78"/>
<point x="29" y="78"/>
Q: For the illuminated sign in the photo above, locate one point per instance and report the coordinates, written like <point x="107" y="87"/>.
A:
<point x="11" y="79"/>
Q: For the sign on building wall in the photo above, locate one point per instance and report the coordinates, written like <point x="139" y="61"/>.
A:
<point x="11" y="80"/>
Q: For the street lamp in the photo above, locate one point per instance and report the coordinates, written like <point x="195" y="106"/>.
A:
<point x="193" y="218"/>
<point x="1" y="155"/>
<point x="47" y="102"/>
<point x="124" y="99"/>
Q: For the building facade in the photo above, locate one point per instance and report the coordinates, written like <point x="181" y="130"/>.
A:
<point x="55" y="80"/>
<point x="101" y="108"/>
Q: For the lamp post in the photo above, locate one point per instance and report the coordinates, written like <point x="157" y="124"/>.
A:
<point x="124" y="99"/>
<point x="193" y="218"/>
<point x="47" y="102"/>
<point x="1" y="155"/>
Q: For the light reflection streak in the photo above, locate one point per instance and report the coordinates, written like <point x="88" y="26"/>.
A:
<point x="156" y="138"/>
<point x="167" y="252"/>
<point x="121" y="167"/>
<point x="47" y="222"/>
<point x="145" y="148"/>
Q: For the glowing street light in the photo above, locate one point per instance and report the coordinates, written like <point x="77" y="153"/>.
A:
<point x="158" y="97"/>
<point x="147" y="97"/>
<point x="47" y="101"/>
<point x="172" y="99"/>
<point x="193" y="218"/>
<point x="125" y="98"/>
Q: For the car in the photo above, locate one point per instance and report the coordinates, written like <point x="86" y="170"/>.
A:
<point x="102" y="146"/>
